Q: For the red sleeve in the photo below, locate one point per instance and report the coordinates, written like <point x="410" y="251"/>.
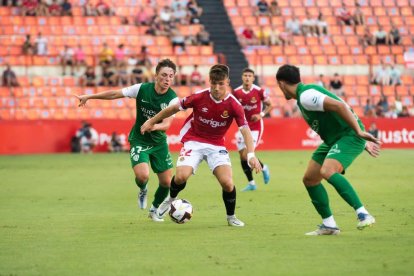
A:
<point x="188" y="101"/>
<point x="239" y="114"/>
<point x="263" y="94"/>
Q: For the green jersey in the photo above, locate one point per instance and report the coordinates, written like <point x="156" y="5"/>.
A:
<point x="329" y="125"/>
<point x="148" y="103"/>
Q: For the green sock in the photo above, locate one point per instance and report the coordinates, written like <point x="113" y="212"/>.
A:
<point x="140" y="185"/>
<point x="320" y="200"/>
<point x="160" y="194"/>
<point x="345" y="190"/>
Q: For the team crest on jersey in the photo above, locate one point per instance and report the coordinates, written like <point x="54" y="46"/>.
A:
<point x="253" y="100"/>
<point x="204" y="109"/>
<point x="225" y="114"/>
<point x="163" y="105"/>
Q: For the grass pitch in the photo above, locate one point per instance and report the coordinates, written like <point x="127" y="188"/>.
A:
<point x="77" y="215"/>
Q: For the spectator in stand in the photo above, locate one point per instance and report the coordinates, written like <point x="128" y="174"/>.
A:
<point x="120" y="55"/>
<point x="344" y="15"/>
<point x="66" y="59"/>
<point x="138" y="75"/>
<point x="142" y="18"/>
<point x="106" y="56"/>
<point x="180" y="77"/>
<point x="373" y="130"/>
<point x="248" y="37"/>
<point x="263" y="36"/>
<point x="121" y="77"/>
<point x="395" y="37"/>
<point x="398" y="104"/>
<point x="178" y="3"/>
<point x="89" y="77"/>
<point x="88" y="138"/>
<point x="274" y="8"/>
<point x="88" y="9"/>
<point x="275" y="36"/>
<point x="66" y="8"/>
<point x="9" y="77"/>
<point x="42" y="8"/>
<point x="395" y="75"/>
<point x="108" y="77"/>
<point x="41" y="45"/>
<point x="368" y="38"/>
<point x="103" y="8"/>
<point x="143" y="58"/>
<point x="29" y="7"/>
<point x="391" y="113"/>
<point x="116" y="144"/>
<point x="320" y="81"/>
<point x="293" y="26"/>
<point x="166" y="15"/>
<point x="55" y="9"/>
<point x="177" y="39"/>
<point x="309" y="26"/>
<point x="28" y="47"/>
<point x="381" y="37"/>
<point x="359" y="17"/>
<point x="203" y="37"/>
<point x="262" y="8"/>
<point x="381" y="75"/>
<point x="80" y="58"/>
<point x="196" y="78"/>
<point x="321" y="25"/>
<point x="382" y="106"/>
<point x="180" y="15"/>
<point x="194" y="12"/>
<point x="336" y="86"/>
<point x="369" y="109"/>
<point x="404" y="112"/>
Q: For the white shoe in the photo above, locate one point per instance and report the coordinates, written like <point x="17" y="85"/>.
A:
<point x="153" y="215"/>
<point x="142" y="199"/>
<point x="165" y="206"/>
<point x="324" y="230"/>
<point x="233" y="221"/>
<point x="365" y="220"/>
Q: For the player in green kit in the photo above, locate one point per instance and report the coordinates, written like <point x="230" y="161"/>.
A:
<point x="344" y="138"/>
<point x="150" y="147"/>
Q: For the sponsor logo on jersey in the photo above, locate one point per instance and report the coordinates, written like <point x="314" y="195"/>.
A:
<point x="249" y="107"/>
<point x="253" y="100"/>
<point x="204" y="109"/>
<point x="212" y="123"/>
<point x="225" y="114"/>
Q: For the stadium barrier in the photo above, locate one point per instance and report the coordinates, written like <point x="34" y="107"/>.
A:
<point x="53" y="136"/>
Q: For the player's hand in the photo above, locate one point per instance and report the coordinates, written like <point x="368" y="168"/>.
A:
<point x="373" y="149"/>
<point x="255" y="164"/>
<point x="147" y="126"/>
<point x="256" y="117"/>
<point x="368" y="136"/>
<point x="82" y="99"/>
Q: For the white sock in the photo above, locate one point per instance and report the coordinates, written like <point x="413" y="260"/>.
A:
<point x="232" y="216"/>
<point x="329" y="221"/>
<point x="252" y="182"/>
<point x="361" y="210"/>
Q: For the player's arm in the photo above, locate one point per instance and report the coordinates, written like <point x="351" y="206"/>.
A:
<point x="164" y="125"/>
<point x="268" y="106"/>
<point x="345" y="113"/>
<point x="106" y="95"/>
<point x="160" y="116"/>
<point x="248" y="140"/>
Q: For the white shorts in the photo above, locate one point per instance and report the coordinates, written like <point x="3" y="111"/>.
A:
<point x="240" y="141"/>
<point x="192" y="153"/>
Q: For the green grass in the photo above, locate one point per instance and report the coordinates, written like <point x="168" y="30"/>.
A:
<point x="77" y="215"/>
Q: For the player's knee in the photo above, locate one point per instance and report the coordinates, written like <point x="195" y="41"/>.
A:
<point x="227" y="184"/>
<point x="327" y="172"/>
<point x="308" y="181"/>
<point x="142" y="177"/>
<point x="180" y="178"/>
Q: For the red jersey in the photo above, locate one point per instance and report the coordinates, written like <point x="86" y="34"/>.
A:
<point x="210" y="119"/>
<point x="252" y="102"/>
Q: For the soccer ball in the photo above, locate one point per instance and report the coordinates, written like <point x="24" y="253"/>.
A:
<point x="181" y="211"/>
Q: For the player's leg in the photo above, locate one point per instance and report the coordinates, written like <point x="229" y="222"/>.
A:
<point x="139" y="162"/>
<point x="241" y="147"/>
<point x="340" y="157"/>
<point x="161" y="164"/>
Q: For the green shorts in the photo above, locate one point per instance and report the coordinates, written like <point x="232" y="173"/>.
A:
<point x="159" y="156"/>
<point x="345" y="150"/>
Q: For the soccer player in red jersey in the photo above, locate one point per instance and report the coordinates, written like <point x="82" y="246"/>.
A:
<point x="203" y="133"/>
<point x="252" y="98"/>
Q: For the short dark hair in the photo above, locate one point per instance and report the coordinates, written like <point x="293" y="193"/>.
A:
<point x="165" y="63"/>
<point x="288" y="73"/>
<point x="219" y="72"/>
<point x="247" y="70"/>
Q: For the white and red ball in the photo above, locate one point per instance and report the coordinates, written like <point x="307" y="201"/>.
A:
<point x="181" y="211"/>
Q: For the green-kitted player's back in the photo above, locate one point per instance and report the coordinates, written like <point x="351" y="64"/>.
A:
<point x="329" y="125"/>
<point x="149" y="103"/>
